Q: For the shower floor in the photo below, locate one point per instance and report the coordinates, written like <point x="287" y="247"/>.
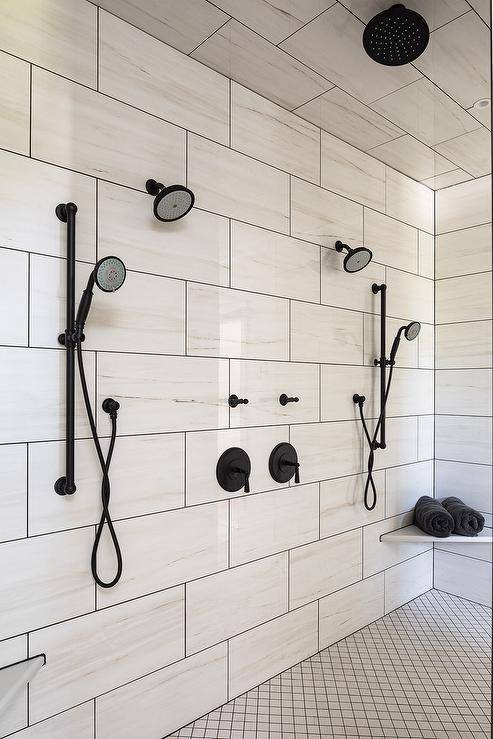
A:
<point x="421" y="671"/>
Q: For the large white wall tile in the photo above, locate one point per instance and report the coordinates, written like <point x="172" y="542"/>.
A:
<point x="82" y="130"/>
<point x="263" y="382"/>
<point x="426" y="255"/>
<point x="13" y="491"/>
<point x="407" y="154"/>
<point x="205" y="447"/>
<point x="464" y="392"/>
<point x="393" y="243"/>
<point x="402" y="442"/>
<point x="323" y="334"/>
<point x="465" y="298"/>
<point x="14" y="714"/>
<point x="192" y="248"/>
<point x="271" y="648"/>
<point x="379" y="555"/>
<point x="451" y="478"/>
<point x="339" y="383"/>
<point x="267" y="132"/>
<point x="230" y="602"/>
<point x="341" y="503"/>
<point x="237" y="186"/>
<point x="405" y="484"/>
<point x="320" y="568"/>
<point x="142" y="71"/>
<point x="464" y="205"/>
<point x="410" y="297"/>
<point x="352" y="173"/>
<point x="60" y="35"/>
<point x="471" y="151"/>
<point x="409" y="201"/>
<point x="407" y="580"/>
<point x="115" y="646"/>
<point x="322" y="217"/>
<point x="38" y="377"/>
<point x="271" y="263"/>
<point x="14" y="104"/>
<point x="147" y="476"/>
<point x="463" y="439"/>
<point x="426" y="346"/>
<point x="463" y="345"/>
<point x="165" y="549"/>
<point x="426" y="437"/>
<point x="251" y="60"/>
<point x="411" y="392"/>
<point x="349" y="290"/>
<point x="348" y="610"/>
<point x="76" y="723"/>
<point x="159" y="394"/>
<point x="463" y="576"/>
<point x="478" y="551"/>
<point x="233" y="323"/>
<point x="42" y="231"/>
<point x="147" y="314"/>
<point x="464" y="251"/>
<point x="45" y="579"/>
<point x="267" y="523"/>
<point x="14" y="278"/>
<point x="166" y="698"/>
<point x="327" y="449"/>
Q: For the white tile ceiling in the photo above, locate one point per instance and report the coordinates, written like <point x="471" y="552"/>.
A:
<point x="307" y="56"/>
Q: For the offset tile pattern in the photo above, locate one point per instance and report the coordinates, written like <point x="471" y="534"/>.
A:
<point x="364" y="685"/>
<point x="14" y="104"/>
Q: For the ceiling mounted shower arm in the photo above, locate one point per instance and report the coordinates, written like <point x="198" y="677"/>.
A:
<point x="382" y="362"/>
<point x="65" y="485"/>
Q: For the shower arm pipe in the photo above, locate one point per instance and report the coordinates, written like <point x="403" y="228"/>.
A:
<point x="382" y="362"/>
<point x="65" y="485"/>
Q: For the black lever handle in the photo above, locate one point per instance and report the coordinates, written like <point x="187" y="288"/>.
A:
<point x="246" y="475"/>
<point x="296" y="465"/>
<point x="284" y="399"/>
<point x="234" y="400"/>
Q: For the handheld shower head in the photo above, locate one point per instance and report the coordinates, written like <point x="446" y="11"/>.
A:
<point x="410" y="331"/>
<point x="170" y="203"/>
<point x="109" y="275"/>
<point x="355" y="259"/>
<point x="396" y="36"/>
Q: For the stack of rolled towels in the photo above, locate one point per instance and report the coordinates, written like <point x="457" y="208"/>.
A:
<point x="451" y="516"/>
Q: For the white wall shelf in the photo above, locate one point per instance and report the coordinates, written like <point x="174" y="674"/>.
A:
<point x="14" y="677"/>
<point x="410" y="534"/>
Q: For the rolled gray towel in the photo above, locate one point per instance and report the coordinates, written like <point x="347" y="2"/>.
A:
<point x="432" y="518"/>
<point x="468" y="522"/>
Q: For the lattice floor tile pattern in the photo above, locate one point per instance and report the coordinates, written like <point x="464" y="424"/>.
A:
<point x="421" y="672"/>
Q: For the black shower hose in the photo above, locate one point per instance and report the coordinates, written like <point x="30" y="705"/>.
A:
<point x="105" y="483"/>
<point x="370" y="483"/>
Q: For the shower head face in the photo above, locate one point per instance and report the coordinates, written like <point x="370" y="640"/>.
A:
<point x="412" y="330"/>
<point x="172" y="203"/>
<point x="396" y="36"/>
<point x="357" y="259"/>
<point x="109" y="274"/>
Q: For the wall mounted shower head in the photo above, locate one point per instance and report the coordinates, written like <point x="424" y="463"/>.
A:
<point x="109" y="275"/>
<point x="396" y="36"/>
<point x="410" y="331"/>
<point x="170" y="203"/>
<point x="355" y="259"/>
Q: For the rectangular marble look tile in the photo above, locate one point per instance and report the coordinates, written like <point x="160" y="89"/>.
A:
<point x="323" y="334"/>
<point x="348" y="610"/>
<point x="159" y="394"/>
<point x="233" y="323"/>
<point x="271" y="134"/>
<point x="237" y="186"/>
<point x="79" y="129"/>
<point x="144" y="72"/>
<point x="14" y="104"/>
<point x="341" y="503"/>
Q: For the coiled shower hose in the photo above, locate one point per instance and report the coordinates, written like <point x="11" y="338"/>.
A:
<point x="370" y="483"/>
<point x="112" y="409"/>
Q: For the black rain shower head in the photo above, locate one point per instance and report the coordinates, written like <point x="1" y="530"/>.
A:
<point x="355" y="259"/>
<point x="396" y="36"/>
<point x="170" y="203"/>
<point x="410" y="331"/>
<point x="109" y="275"/>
